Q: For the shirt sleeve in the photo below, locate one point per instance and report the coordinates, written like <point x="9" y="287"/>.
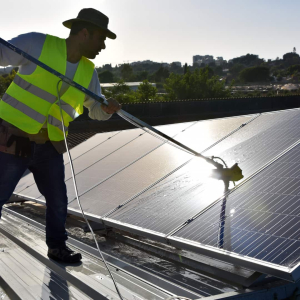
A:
<point x="94" y="107"/>
<point x="25" y="42"/>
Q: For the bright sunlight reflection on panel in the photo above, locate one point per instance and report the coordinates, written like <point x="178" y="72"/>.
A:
<point x="174" y="199"/>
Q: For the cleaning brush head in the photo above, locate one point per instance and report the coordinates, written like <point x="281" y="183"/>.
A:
<point x="228" y="174"/>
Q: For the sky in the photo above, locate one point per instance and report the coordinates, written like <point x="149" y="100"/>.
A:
<point x="169" y="30"/>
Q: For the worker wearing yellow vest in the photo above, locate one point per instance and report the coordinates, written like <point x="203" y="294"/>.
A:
<point x="31" y="132"/>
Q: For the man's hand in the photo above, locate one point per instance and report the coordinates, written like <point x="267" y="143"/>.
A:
<point x="112" y="106"/>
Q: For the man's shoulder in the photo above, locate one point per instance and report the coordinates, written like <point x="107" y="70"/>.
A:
<point x="30" y="38"/>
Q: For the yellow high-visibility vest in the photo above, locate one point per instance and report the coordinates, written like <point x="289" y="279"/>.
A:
<point x="31" y="100"/>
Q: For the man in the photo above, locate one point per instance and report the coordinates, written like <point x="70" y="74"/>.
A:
<point x="31" y="132"/>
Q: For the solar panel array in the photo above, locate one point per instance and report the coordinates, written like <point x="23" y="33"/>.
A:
<point x="113" y="167"/>
<point x="261" y="219"/>
<point x="183" y="194"/>
<point x="134" y="180"/>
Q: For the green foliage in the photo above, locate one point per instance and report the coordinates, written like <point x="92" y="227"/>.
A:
<point x="174" y="68"/>
<point x="290" y="56"/>
<point x="160" y="75"/>
<point x="5" y="81"/>
<point x="107" y="67"/>
<point x="146" y="91"/>
<point x="121" y="92"/>
<point x="143" y="75"/>
<point x="255" y="74"/>
<point x="185" y="68"/>
<point x="126" y="72"/>
<point x="236" y="69"/>
<point x="247" y="60"/>
<point x="218" y="70"/>
<point x="106" y="77"/>
<point x="294" y="69"/>
<point x="196" y="85"/>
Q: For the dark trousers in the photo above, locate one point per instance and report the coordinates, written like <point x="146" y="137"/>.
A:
<point x="48" y="170"/>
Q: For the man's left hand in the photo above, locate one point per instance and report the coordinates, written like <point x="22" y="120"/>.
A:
<point x="112" y="106"/>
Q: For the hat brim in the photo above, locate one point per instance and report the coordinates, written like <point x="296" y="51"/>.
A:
<point x="108" y="33"/>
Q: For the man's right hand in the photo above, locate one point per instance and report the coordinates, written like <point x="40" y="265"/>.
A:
<point x="112" y="106"/>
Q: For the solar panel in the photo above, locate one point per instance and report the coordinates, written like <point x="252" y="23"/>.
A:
<point x="135" y="178"/>
<point x="260" y="220"/>
<point x="106" y="194"/>
<point x="262" y="124"/>
<point x="173" y="200"/>
<point x="77" y="152"/>
<point x="205" y="133"/>
<point x="147" y="186"/>
<point x="101" y="156"/>
<point x="185" y="193"/>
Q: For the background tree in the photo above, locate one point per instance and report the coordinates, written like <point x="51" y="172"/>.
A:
<point x="255" y="74"/>
<point x="174" y="68"/>
<point x="121" y="92"/>
<point x="160" y="75"/>
<point x="247" y="60"/>
<point x="106" y="77"/>
<point x="195" y="85"/>
<point x="126" y="72"/>
<point x="290" y="56"/>
<point x="185" y="68"/>
<point x="218" y="70"/>
<point x="107" y="67"/>
<point x="143" y="75"/>
<point x="293" y="69"/>
<point x="146" y="91"/>
<point x="5" y="81"/>
<point x="236" y="69"/>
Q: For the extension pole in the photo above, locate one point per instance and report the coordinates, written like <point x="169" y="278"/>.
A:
<point x="101" y="100"/>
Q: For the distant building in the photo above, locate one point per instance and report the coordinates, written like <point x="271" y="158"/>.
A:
<point x="150" y="62"/>
<point x="132" y="85"/>
<point x="177" y="63"/>
<point x="6" y="70"/>
<point x="199" y="59"/>
<point x="220" y="61"/>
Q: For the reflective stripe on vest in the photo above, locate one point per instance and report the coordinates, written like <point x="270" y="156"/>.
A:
<point x="28" y="111"/>
<point x="57" y="123"/>
<point x="68" y="109"/>
<point x="34" y="90"/>
<point x="31" y="100"/>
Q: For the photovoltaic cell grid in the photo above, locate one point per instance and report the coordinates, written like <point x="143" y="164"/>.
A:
<point x="109" y="194"/>
<point x="99" y="195"/>
<point x="172" y="201"/>
<point x="261" y="219"/>
<point x="28" y="180"/>
<point x="89" y="155"/>
<point x="185" y="193"/>
<point x="258" y="143"/>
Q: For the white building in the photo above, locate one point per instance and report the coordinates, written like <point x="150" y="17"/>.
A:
<point x="132" y="85"/>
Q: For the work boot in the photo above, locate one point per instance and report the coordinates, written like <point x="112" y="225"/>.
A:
<point x="64" y="254"/>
